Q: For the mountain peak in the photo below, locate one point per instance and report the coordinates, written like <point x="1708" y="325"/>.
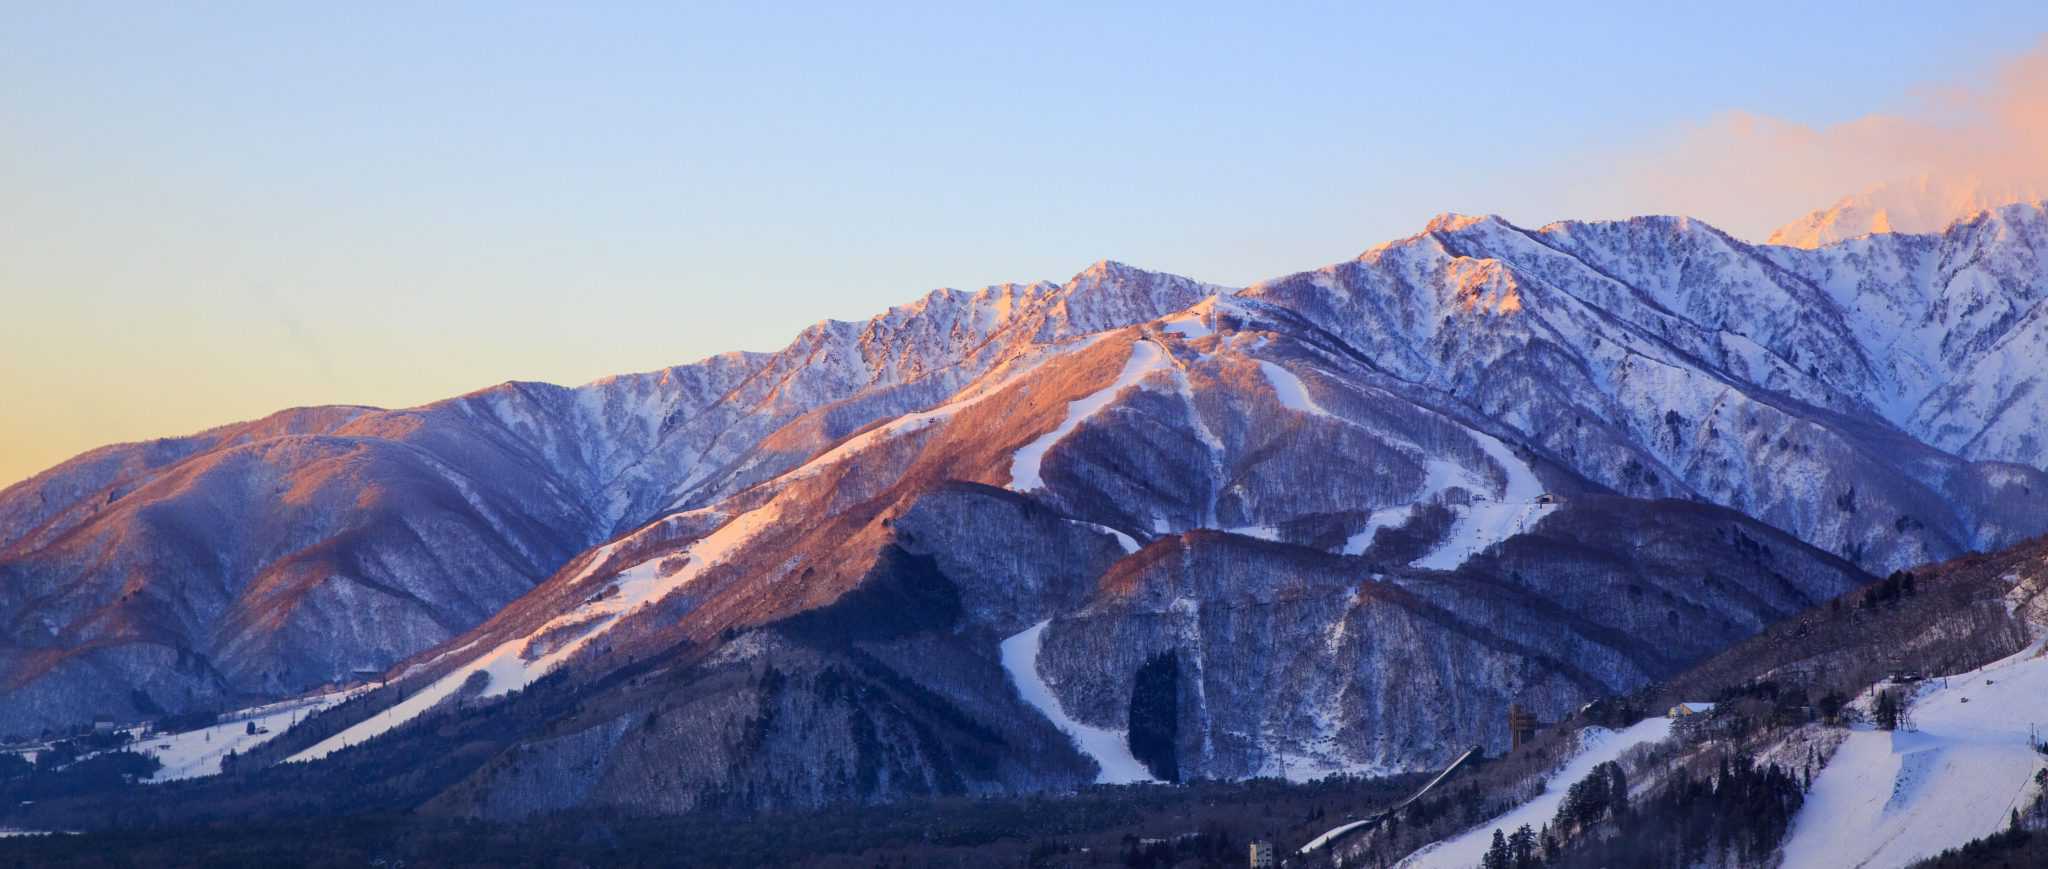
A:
<point x="1109" y="270"/>
<point x="1451" y="221"/>
<point x="1924" y="204"/>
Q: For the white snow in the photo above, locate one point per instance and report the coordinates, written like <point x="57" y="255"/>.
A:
<point x="1477" y="526"/>
<point x="1333" y="834"/>
<point x="1316" y="759"/>
<point x="196" y="753"/>
<point x="1386" y="517"/>
<point x="1483" y="524"/>
<point x="1108" y="748"/>
<point x="516" y="663"/>
<point x="1890" y="798"/>
<point x="1122" y="539"/>
<point x="1187" y="324"/>
<point x="1146" y="357"/>
<point x="1597" y="745"/>
<point x="1289" y="389"/>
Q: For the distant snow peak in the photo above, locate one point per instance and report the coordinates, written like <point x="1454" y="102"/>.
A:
<point x="1451" y="221"/>
<point x="1925" y="204"/>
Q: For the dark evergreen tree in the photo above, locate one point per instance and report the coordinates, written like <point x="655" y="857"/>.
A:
<point x="1738" y="816"/>
<point x="1617" y="790"/>
<point x="1831" y="705"/>
<point x="1886" y="712"/>
<point x="1497" y="856"/>
<point x="1155" y="716"/>
<point x="1522" y="849"/>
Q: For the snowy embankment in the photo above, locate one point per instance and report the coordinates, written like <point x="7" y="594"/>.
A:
<point x="1890" y="798"/>
<point x="1108" y="748"/>
<point x="1597" y="745"/>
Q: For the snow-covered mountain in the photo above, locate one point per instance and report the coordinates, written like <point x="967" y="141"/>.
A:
<point x="262" y="559"/>
<point x="1923" y="205"/>
<point x="1337" y="520"/>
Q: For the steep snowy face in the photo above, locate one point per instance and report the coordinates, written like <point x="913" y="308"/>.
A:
<point x="1660" y="357"/>
<point x="838" y="377"/>
<point x="1956" y="321"/>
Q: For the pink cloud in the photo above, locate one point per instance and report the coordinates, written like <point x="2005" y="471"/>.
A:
<point x="1957" y="146"/>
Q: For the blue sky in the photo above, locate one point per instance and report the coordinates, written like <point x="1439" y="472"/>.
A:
<point x="208" y="212"/>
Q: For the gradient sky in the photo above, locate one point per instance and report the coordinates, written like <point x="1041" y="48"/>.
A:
<point x="209" y="212"/>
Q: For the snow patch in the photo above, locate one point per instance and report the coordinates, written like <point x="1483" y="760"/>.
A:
<point x="1124" y="540"/>
<point x="1187" y="324"/>
<point x="1289" y="389"/>
<point x="1387" y="517"/>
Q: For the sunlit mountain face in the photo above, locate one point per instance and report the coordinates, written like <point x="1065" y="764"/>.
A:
<point x="1131" y="527"/>
<point x="1927" y="204"/>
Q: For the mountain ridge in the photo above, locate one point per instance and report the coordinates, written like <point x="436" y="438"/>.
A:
<point x="1645" y="359"/>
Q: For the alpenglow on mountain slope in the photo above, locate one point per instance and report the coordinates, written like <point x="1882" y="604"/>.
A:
<point x="1335" y="521"/>
<point x="1922" y="205"/>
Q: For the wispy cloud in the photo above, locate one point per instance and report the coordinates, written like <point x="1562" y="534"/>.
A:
<point x="1954" y="142"/>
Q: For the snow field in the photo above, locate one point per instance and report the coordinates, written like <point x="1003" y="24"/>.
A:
<point x="1887" y="799"/>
